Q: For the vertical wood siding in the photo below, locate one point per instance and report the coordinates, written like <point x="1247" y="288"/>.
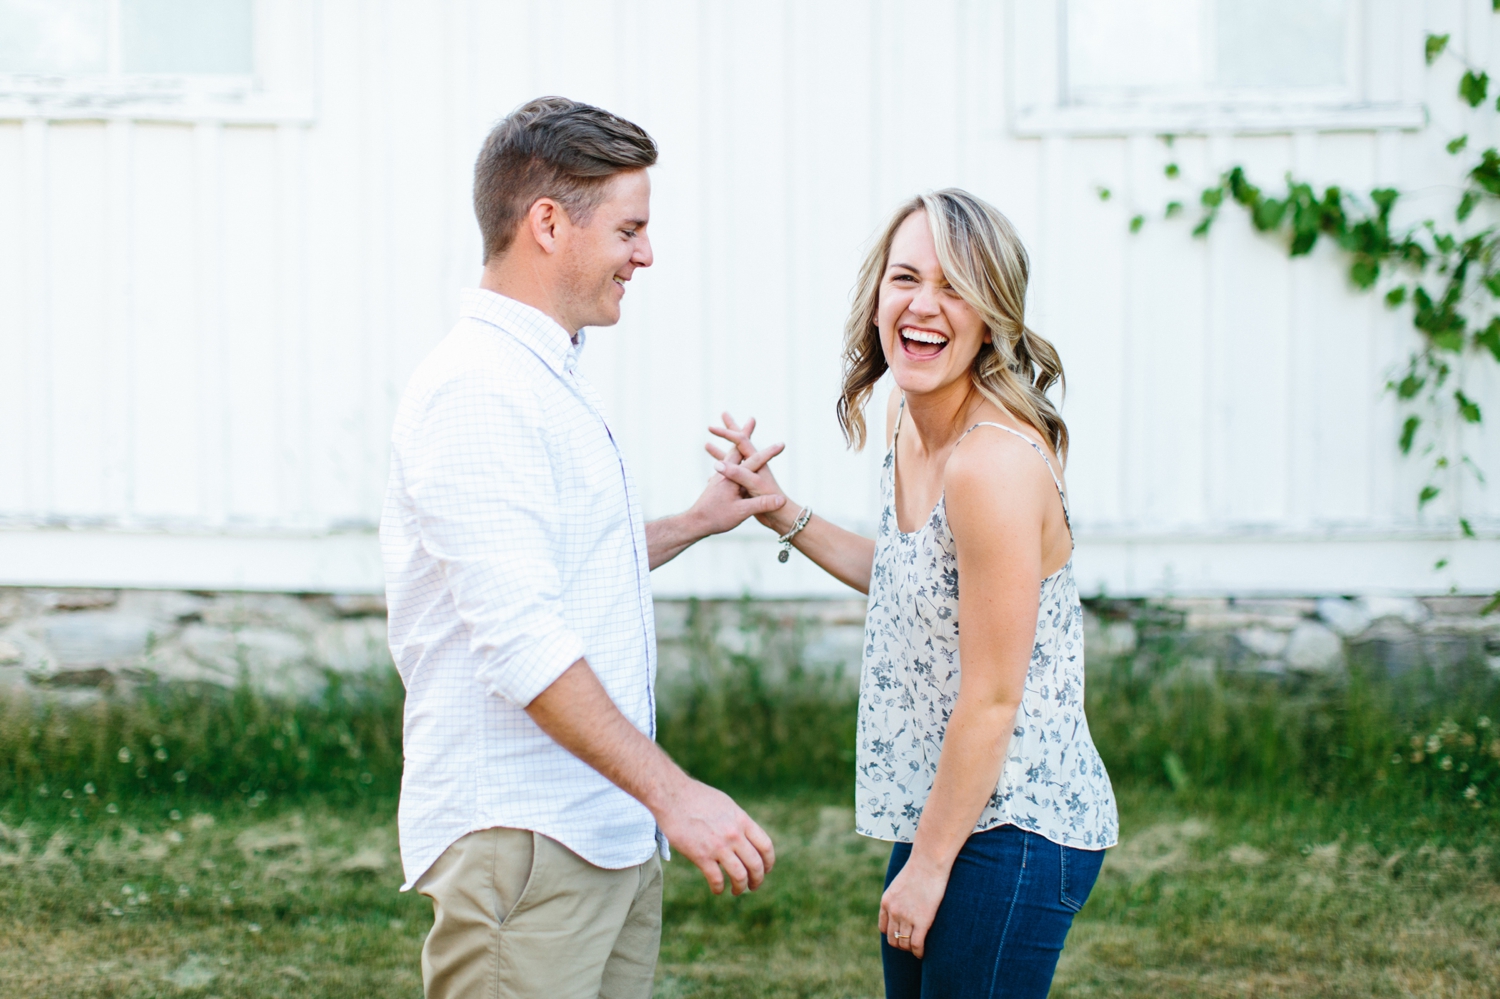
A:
<point x="207" y="324"/>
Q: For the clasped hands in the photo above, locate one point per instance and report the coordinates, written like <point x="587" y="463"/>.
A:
<point x="742" y="467"/>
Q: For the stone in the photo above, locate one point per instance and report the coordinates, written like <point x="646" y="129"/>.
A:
<point x="10" y="653"/>
<point x="259" y="650"/>
<point x="164" y="607"/>
<point x="353" y="645"/>
<point x="1347" y="617"/>
<point x="1119" y="638"/>
<point x="1279" y="609"/>
<point x="97" y="637"/>
<point x="1402" y="608"/>
<point x="1314" y="648"/>
<point x="358" y="604"/>
<point x="1456" y="606"/>
<point x="279" y="611"/>
<point x="72" y="600"/>
<point x="1262" y="641"/>
<point x="18" y="604"/>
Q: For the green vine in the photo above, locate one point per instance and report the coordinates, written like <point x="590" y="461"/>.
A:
<point x="1448" y="276"/>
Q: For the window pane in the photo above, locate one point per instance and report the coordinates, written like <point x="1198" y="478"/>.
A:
<point x="1281" y="43"/>
<point x="53" y="37"/>
<point x="1142" y="45"/>
<point x="186" y="36"/>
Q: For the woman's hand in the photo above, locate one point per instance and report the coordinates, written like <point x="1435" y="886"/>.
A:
<point x="910" y="904"/>
<point x="738" y="464"/>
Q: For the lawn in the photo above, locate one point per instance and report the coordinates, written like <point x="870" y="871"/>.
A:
<point x="1209" y="894"/>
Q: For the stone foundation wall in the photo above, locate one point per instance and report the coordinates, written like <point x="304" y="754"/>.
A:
<point x="81" y="643"/>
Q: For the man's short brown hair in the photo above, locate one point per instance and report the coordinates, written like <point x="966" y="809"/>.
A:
<point x="551" y="148"/>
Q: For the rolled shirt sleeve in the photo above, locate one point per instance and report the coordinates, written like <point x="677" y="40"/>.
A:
<point x="485" y="497"/>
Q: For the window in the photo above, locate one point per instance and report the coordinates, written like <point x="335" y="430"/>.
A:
<point x="54" y="38"/>
<point x="154" y="59"/>
<point x="1100" y="66"/>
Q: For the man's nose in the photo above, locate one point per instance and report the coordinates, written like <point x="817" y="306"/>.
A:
<point x="642" y="257"/>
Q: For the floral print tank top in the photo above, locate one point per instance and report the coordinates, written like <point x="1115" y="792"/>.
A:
<point x="1053" y="782"/>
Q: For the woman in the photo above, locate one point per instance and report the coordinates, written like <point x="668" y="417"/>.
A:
<point x="974" y="755"/>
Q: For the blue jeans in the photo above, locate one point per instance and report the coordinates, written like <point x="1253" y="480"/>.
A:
<point x="1000" y="928"/>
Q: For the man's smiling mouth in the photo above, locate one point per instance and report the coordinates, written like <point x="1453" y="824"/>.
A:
<point x="922" y="342"/>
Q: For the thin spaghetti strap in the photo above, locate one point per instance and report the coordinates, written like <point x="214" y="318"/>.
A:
<point x="1067" y="517"/>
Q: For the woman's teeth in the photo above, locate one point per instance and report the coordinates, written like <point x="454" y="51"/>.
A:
<point x="925" y="338"/>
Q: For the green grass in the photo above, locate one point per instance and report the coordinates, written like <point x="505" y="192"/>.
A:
<point x="1298" y="836"/>
<point x="1210" y="895"/>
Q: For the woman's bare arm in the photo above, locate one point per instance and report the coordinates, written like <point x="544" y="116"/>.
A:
<point x="844" y="555"/>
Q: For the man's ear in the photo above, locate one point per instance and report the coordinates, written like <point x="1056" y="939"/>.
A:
<point x="542" y="221"/>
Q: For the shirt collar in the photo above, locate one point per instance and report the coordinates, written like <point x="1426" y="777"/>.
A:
<point x="536" y="330"/>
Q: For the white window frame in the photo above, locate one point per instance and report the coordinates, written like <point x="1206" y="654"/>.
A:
<point x="1382" y="93"/>
<point x="278" y="90"/>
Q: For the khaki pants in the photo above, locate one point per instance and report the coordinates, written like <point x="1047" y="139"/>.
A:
<point x="518" y="914"/>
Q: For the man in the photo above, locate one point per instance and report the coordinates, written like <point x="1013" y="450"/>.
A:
<point x="535" y="803"/>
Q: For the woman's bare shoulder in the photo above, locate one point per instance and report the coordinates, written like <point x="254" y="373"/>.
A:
<point x="998" y="472"/>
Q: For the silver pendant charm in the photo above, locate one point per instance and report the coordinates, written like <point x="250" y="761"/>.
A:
<point x="783" y="555"/>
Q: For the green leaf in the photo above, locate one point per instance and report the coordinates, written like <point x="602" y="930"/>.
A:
<point x="1467" y="408"/>
<point x="1103" y="194"/>
<point x="1395" y="296"/>
<point x="1173" y="208"/>
<point x="1466" y="205"/>
<point x="1440" y="564"/>
<point x="1384" y="198"/>
<point x="1364" y="271"/>
<point x="1487" y="173"/>
<point x="1137" y="222"/>
<point x="1427" y="495"/>
<point x="1490" y="607"/>
<point x="1457" y="145"/>
<point x="1473" y="88"/>
<point x="1463" y="523"/>
<point x="1489" y="338"/>
<point x="1409" y="433"/>
<point x="1172" y="170"/>
<point x="1201" y="229"/>
<point x="1267" y="215"/>
<point x="1408" y="387"/>
<point x="1435" y="46"/>
<point x="1212" y="197"/>
<point x="1240" y="187"/>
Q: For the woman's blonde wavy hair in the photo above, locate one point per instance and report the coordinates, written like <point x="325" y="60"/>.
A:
<point x="987" y="266"/>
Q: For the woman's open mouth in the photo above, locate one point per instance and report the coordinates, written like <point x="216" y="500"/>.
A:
<point x="920" y="342"/>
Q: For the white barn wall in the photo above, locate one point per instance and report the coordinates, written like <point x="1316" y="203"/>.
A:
<point x="210" y="314"/>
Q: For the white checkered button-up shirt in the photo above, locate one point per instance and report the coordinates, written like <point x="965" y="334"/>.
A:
<point x="514" y="546"/>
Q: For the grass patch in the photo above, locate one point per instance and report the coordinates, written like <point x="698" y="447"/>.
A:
<point x="1297" y="836"/>
<point x="1213" y="895"/>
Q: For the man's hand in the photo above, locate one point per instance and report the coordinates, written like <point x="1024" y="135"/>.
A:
<point x="706" y="826"/>
<point x="722" y="506"/>
<point x="754" y="479"/>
